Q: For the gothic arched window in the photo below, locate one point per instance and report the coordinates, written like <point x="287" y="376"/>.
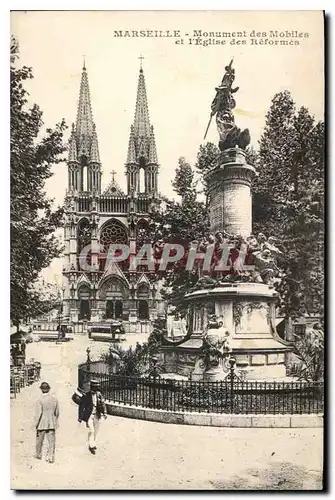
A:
<point x="83" y="240"/>
<point x="142" y="231"/>
<point x="141" y="177"/>
<point x="83" y="234"/>
<point x="142" y="224"/>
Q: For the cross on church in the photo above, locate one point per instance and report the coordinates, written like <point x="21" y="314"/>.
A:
<point x="141" y="59"/>
<point x="113" y="172"/>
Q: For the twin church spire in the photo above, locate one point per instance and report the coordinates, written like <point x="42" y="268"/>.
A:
<point x="142" y="146"/>
<point x="84" y="159"/>
<point x="84" y="148"/>
<point x="83" y="141"/>
<point x="142" y="152"/>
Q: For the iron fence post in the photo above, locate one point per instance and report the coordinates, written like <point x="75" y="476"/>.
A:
<point x="88" y="363"/>
<point x="152" y="388"/>
<point x="232" y="362"/>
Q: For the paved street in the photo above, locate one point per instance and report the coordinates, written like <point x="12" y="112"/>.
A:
<point x="134" y="454"/>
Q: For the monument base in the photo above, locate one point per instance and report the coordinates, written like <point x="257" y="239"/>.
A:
<point x="247" y="311"/>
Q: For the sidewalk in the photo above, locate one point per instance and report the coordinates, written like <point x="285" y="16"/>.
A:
<point x="134" y="454"/>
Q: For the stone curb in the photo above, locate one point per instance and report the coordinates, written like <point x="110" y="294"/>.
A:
<point x="210" y="419"/>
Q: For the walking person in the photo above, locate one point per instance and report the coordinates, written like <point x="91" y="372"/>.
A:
<point x="46" y="422"/>
<point x="91" y="408"/>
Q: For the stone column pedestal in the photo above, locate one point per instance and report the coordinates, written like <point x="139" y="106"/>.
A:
<point x="230" y="200"/>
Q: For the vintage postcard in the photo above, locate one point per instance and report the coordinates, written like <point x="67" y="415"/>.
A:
<point x="167" y="274"/>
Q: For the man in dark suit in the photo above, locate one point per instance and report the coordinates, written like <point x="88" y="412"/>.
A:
<point x="91" y="408"/>
<point x="46" y="421"/>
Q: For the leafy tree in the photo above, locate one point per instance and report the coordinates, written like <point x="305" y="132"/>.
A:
<point x="251" y="155"/>
<point x="127" y="362"/>
<point x="134" y="361"/>
<point x="33" y="221"/>
<point x="288" y="201"/>
<point x="309" y="350"/>
<point x="180" y="222"/>
<point x="207" y="157"/>
<point x="183" y="182"/>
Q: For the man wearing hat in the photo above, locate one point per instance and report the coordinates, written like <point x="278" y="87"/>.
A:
<point x="46" y="422"/>
<point x="91" y="408"/>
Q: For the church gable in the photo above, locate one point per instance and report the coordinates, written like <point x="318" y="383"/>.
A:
<point x="113" y="270"/>
<point x="113" y="189"/>
<point x="143" y="281"/>
<point x="83" y="280"/>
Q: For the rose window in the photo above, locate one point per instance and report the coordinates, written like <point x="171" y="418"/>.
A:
<point x="112" y="234"/>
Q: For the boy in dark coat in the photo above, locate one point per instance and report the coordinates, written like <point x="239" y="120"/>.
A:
<point x="91" y="408"/>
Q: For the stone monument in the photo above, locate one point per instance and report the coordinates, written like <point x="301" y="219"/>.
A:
<point x="235" y="307"/>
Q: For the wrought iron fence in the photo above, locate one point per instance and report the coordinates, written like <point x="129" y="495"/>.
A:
<point x="226" y="396"/>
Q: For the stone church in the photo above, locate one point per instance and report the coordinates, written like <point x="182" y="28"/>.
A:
<point x="98" y="291"/>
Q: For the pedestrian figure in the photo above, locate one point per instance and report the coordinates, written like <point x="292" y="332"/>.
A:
<point x="91" y="408"/>
<point x="46" y="422"/>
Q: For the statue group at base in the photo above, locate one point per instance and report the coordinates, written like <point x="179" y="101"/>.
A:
<point x="259" y="252"/>
<point x="213" y="360"/>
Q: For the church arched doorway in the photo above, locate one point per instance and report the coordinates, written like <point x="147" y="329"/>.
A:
<point x="118" y="309"/>
<point x="116" y="295"/>
<point x="84" y="303"/>
<point x="143" y="309"/>
<point x="109" y="309"/>
<point x="114" y="308"/>
<point x="143" y="302"/>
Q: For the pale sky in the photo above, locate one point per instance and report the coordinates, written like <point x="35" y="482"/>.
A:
<point x="180" y="78"/>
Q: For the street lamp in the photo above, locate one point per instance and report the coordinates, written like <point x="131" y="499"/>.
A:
<point x="59" y="316"/>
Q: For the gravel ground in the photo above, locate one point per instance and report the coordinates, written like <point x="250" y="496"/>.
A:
<point x="139" y="455"/>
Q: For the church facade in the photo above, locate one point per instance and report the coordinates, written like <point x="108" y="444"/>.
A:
<point x="96" y="289"/>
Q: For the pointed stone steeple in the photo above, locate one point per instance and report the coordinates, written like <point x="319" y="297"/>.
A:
<point x="131" y="156"/>
<point x="141" y="120"/>
<point x="141" y="147"/>
<point x="83" y="145"/>
<point x="72" y="146"/>
<point x="152" y="147"/>
<point x="142" y="131"/>
<point x="94" y="156"/>
<point x="84" y="125"/>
